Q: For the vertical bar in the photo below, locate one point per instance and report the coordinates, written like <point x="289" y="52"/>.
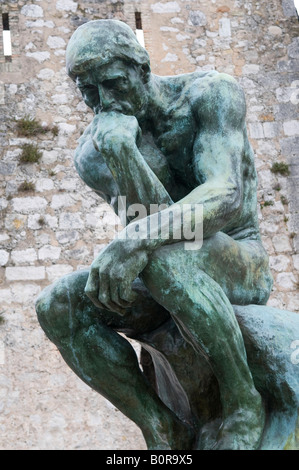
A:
<point x="7" y="50"/>
<point x="138" y="20"/>
<point x="5" y="21"/>
<point x="139" y="30"/>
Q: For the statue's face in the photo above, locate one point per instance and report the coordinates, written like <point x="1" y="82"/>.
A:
<point x="114" y="87"/>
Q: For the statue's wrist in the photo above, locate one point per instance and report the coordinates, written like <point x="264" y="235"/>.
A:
<point x="117" y="146"/>
<point x="137" y="242"/>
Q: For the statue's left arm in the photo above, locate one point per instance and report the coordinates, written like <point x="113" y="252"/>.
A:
<point x="218" y="152"/>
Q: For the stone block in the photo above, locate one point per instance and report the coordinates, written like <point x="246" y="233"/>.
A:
<point x="289" y="146"/>
<point x="286" y="111"/>
<point x="296" y="262"/>
<point x="4" y="257"/>
<point x="197" y="18"/>
<point x="61" y="200"/>
<point x="182" y="37"/>
<point x="284" y="94"/>
<point x="271" y="129"/>
<point x="170" y="57"/>
<point x="15" y="222"/>
<point x="256" y="130"/>
<point x="289" y="8"/>
<point x="33" y="11"/>
<point x="25" y="205"/>
<point x="78" y="254"/>
<point x="275" y="30"/>
<point x="46" y="74"/>
<point x="60" y="99"/>
<point x="66" y="5"/>
<point x="291" y="128"/>
<point x="34" y="221"/>
<point x="57" y="271"/>
<point x="293" y="302"/>
<point x="44" y="184"/>
<point x="169" y="29"/>
<point x="279" y="263"/>
<point x="7" y="168"/>
<point x="168" y="7"/>
<point x="281" y="243"/>
<point x="224" y="27"/>
<point x="70" y="184"/>
<point x="56" y="42"/>
<point x="3" y="203"/>
<point x="5" y="296"/>
<point x="293" y="49"/>
<point x="177" y="20"/>
<point x="250" y="69"/>
<point x="38" y="221"/>
<point x="49" y="252"/>
<point x="286" y="281"/>
<point x="24" y="293"/>
<point x="40" y="24"/>
<point x="4" y="237"/>
<point x="65" y="128"/>
<point x="69" y="221"/>
<point x="288" y="65"/>
<point x="49" y="156"/>
<point x="39" y="56"/>
<point x="26" y="273"/>
<point x="67" y="237"/>
<point x="24" y="256"/>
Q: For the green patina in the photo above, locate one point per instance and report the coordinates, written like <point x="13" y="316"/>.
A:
<point x="217" y="369"/>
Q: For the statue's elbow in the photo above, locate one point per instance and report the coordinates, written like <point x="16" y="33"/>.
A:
<point x="236" y="200"/>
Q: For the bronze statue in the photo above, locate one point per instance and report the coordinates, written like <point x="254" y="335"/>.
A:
<point x="170" y="142"/>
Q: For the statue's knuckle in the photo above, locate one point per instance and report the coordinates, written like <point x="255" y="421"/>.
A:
<point x="88" y="290"/>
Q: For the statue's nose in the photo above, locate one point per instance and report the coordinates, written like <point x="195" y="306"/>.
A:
<point x="106" y="97"/>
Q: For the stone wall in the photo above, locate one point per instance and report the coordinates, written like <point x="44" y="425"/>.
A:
<point x="59" y="225"/>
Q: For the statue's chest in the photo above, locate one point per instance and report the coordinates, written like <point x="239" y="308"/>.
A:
<point x="176" y="142"/>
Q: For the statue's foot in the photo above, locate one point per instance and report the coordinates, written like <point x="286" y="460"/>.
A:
<point x="243" y="429"/>
<point x="179" y="436"/>
<point x="208" y="435"/>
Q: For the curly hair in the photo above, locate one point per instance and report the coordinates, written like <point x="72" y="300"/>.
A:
<point x="100" y="42"/>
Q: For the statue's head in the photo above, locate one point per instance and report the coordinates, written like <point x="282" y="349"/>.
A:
<point x="109" y="66"/>
<point x="101" y="42"/>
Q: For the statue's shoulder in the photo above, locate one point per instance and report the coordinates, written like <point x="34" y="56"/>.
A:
<point x="213" y="82"/>
<point x="213" y="93"/>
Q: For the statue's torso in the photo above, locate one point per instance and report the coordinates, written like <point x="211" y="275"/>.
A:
<point x="168" y="150"/>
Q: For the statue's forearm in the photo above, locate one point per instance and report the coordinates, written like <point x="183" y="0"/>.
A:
<point x="114" y="136"/>
<point x="134" y="177"/>
<point x="205" y="211"/>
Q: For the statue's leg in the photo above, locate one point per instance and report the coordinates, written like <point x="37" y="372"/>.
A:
<point x="197" y="288"/>
<point x="105" y="360"/>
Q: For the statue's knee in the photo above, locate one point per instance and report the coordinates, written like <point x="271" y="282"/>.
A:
<point x="158" y="275"/>
<point x="52" y="311"/>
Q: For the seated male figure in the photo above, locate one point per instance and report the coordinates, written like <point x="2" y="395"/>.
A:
<point x="169" y="141"/>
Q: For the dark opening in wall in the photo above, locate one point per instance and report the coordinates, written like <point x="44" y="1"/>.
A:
<point x="6" y="37"/>
<point x="5" y="21"/>
<point x="138" y="20"/>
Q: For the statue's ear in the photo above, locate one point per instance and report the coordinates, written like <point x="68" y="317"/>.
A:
<point x="146" y="72"/>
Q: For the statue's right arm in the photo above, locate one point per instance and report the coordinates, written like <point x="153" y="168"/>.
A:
<point x="92" y="168"/>
<point x="117" y="137"/>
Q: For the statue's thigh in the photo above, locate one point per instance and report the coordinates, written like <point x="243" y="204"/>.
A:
<point x="239" y="267"/>
<point x="64" y="306"/>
